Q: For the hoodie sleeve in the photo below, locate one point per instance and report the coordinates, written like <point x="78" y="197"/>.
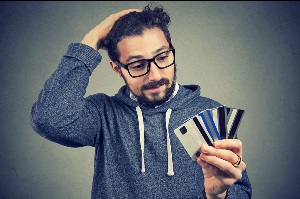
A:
<point x="61" y="113"/>
<point x="241" y="189"/>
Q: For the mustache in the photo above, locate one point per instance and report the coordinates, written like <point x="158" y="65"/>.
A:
<point x="156" y="84"/>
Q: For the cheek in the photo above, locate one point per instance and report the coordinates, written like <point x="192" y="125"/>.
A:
<point x="170" y="74"/>
<point x="135" y="86"/>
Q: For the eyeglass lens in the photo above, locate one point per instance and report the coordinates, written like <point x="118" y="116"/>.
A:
<point x="141" y="67"/>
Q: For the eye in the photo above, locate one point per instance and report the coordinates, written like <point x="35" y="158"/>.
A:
<point x="137" y="66"/>
<point x="162" y="57"/>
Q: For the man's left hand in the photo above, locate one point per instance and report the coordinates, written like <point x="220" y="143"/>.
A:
<point x="222" y="166"/>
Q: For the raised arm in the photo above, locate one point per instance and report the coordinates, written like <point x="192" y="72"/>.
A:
<point x="61" y="113"/>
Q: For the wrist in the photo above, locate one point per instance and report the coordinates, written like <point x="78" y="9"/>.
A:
<point x="92" y="42"/>
<point x="219" y="196"/>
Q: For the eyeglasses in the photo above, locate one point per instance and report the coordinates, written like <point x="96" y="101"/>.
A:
<point x="142" y="67"/>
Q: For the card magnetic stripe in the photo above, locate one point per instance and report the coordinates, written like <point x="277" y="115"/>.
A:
<point x="228" y="110"/>
<point x="206" y="125"/>
<point x="228" y="114"/>
<point x="209" y="125"/>
<point x="200" y="128"/>
<point x="222" y="122"/>
<point x="227" y="118"/>
<point x="235" y="124"/>
<point x="213" y="124"/>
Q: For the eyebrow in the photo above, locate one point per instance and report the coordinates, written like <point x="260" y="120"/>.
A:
<point x="142" y="57"/>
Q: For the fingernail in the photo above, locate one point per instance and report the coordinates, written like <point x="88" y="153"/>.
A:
<point x="204" y="149"/>
<point x="217" y="144"/>
<point x="203" y="157"/>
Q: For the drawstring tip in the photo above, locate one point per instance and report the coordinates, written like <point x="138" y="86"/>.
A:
<point x="170" y="173"/>
<point x="143" y="170"/>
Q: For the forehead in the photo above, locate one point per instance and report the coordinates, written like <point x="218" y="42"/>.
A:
<point x="145" y="45"/>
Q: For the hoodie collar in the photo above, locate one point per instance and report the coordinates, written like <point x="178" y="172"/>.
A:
<point x="180" y="99"/>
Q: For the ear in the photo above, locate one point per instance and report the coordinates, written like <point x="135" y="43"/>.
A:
<point x="115" y="68"/>
<point x="172" y="42"/>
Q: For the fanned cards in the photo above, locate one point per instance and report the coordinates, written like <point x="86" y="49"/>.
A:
<point x="208" y="126"/>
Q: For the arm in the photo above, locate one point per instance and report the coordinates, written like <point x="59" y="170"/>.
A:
<point x="222" y="178"/>
<point x="61" y="113"/>
<point x="61" y="110"/>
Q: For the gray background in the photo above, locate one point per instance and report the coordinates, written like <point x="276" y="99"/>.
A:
<point x="242" y="54"/>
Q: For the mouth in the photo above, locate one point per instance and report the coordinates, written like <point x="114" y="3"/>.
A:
<point x="154" y="89"/>
<point x="156" y="86"/>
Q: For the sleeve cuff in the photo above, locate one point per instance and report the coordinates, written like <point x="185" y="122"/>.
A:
<point x="89" y="56"/>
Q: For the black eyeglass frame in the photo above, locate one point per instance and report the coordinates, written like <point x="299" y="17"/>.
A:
<point x="125" y="66"/>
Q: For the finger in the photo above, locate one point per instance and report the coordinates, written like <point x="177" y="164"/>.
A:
<point x="238" y="162"/>
<point x="110" y="21"/>
<point x="224" y="166"/>
<point x="124" y="12"/>
<point x="118" y="15"/>
<point x="209" y="169"/>
<point x="224" y="154"/>
<point x="234" y="145"/>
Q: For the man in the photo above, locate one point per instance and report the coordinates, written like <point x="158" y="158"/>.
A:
<point x="137" y="154"/>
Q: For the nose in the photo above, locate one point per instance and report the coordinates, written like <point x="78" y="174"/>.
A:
<point x="154" y="73"/>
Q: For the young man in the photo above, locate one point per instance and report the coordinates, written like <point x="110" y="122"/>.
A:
<point x="137" y="154"/>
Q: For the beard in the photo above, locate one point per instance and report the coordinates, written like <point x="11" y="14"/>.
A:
<point x="156" y="99"/>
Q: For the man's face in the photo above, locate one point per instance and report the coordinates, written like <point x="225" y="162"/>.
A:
<point x="157" y="85"/>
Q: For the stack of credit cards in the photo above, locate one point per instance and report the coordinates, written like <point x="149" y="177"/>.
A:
<point x="208" y="126"/>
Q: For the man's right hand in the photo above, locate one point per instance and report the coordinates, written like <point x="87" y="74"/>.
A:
<point x="101" y="30"/>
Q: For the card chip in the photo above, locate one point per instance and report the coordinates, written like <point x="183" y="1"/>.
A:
<point x="183" y="130"/>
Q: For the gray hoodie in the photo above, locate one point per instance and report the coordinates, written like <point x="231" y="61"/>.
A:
<point x="137" y="154"/>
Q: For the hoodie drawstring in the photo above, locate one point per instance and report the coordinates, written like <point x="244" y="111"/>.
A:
<point x="142" y="133"/>
<point x="142" y="140"/>
<point x="170" y="160"/>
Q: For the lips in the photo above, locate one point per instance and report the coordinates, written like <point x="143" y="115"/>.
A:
<point x="156" y="85"/>
<point x="155" y="89"/>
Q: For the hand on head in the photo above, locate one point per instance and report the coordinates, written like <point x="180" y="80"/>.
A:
<point x="101" y="30"/>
